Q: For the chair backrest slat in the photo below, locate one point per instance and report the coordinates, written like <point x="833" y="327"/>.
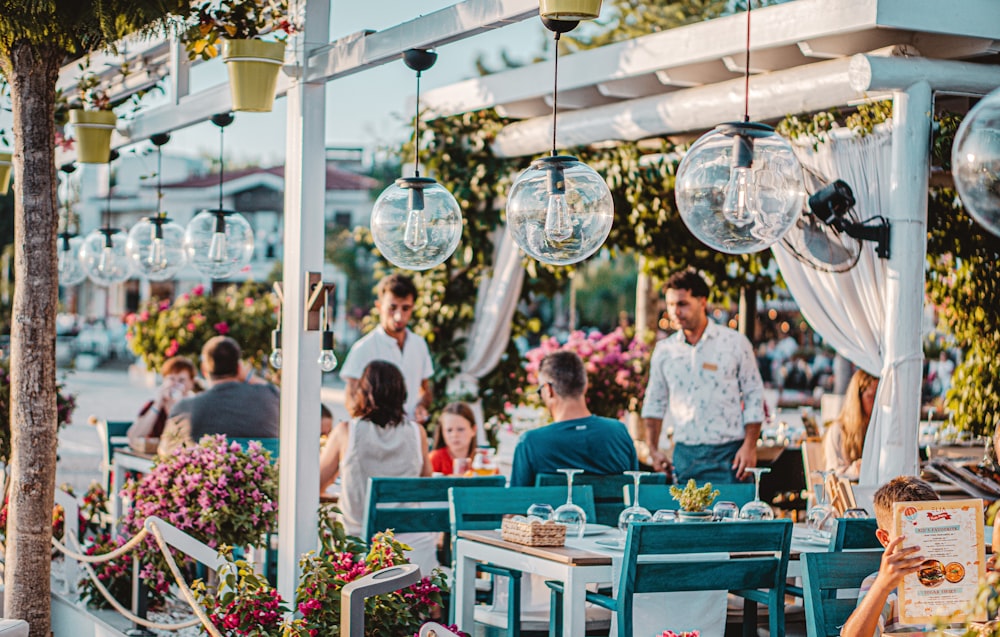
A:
<point x="476" y="509"/>
<point x="271" y="445"/>
<point x="856" y="533"/>
<point x="719" y="574"/>
<point x="823" y="573"/>
<point x="609" y="494"/>
<point x="431" y="494"/>
<point x="656" y="496"/>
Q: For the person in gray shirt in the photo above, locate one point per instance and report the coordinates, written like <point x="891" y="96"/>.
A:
<point x="231" y="406"/>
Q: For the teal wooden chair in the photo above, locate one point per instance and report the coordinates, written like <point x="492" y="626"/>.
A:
<point x="478" y="509"/>
<point x="271" y="445"/>
<point x="855" y="534"/>
<point x="655" y="497"/>
<point x="434" y="516"/>
<point x="823" y="574"/>
<point x="758" y="575"/>
<point x="609" y="491"/>
<point x="111" y="433"/>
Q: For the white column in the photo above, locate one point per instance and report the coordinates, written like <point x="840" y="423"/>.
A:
<point x="899" y="400"/>
<point x="305" y="186"/>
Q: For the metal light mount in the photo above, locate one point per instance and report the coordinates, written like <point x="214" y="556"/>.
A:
<point x="830" y="205"/>
<point x="559" y="26"/>
<point x="317" y="295"/>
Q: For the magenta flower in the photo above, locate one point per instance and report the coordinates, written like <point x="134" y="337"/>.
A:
<point x="198" y="290"/>
<point x="222" y="328"/>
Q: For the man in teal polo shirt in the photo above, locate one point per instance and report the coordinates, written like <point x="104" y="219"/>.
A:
<point x="576" y="439"/>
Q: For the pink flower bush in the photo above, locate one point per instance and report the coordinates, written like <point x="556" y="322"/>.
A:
<point x="617" y="368"/>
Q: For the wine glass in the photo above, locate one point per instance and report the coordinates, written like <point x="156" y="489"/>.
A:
<point x="856" y="514"/>
<point x="634" y="513"/>
<point x="757" y="509"/>
<point x="821" y="518"/>
<point x="570" y="514"/>
<point x="541" y="511"/>
<point x="725" y="511"/>
<point x="665" y="515"/>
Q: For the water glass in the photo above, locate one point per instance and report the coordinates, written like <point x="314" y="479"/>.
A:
<point x="665" y="516"/>
<point x="725" y="511"/>
<point x="541" y="511"/>
<point x="856" y="514"/>
<point x="459" y="466"/>
<point x="571" y="514"/>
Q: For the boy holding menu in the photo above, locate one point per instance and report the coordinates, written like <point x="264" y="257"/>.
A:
<point x="878" y="609"/>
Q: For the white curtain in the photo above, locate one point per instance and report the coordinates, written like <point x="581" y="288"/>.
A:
<point x="848" y="309"/>
<point x="490" y="332"/>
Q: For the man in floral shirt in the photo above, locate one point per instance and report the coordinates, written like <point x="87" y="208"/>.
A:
<point x="704" y="380"/>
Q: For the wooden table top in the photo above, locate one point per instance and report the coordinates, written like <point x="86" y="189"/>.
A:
<point x="561" y="554"/>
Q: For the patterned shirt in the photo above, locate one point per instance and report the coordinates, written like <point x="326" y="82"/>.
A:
<point x="711" y="390"/>
<point x="888" y="621"/>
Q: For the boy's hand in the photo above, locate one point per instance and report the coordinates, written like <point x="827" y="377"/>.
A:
<point x="897" y="563"/>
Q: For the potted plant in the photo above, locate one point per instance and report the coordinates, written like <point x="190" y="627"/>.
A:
<point x="694" y="501"/>
<point x="569" y="9"/>
<point x="94" y="121"/>
<point x="253" y="63"/>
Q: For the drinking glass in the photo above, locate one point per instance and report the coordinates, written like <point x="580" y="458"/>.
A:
<point x="821" y="519"/>
<point x="725" y="511"/>
<point x="664" y="515"/>
<point x="634" y="513"/>
<point x="541" y="511"/>
<point x="570" y="514"/>
<point x="757" y="509"/>
<point x="856" y="514"/>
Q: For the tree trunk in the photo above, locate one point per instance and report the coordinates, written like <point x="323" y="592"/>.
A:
<point x="32" y="71"/>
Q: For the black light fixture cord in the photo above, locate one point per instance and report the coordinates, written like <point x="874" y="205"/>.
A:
<point x="326" y="301"/>
<point x="746" y="75"/>
<point x="416" y="133"/>
<point x="222" y="163"/>
<point x="555" y="92"/>
<point x="107" y="210"/>
<point x="159" y="180"/>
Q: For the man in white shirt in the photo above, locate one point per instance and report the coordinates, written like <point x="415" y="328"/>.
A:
<point x="705" y="378"/>
<point x="392" y="341"/>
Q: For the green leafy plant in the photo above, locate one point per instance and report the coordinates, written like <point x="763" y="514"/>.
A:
<point x="65" y="404"/>
<point x="694" y="498"/>
<point x="162" y="329"/>
<point x="213" y="21"/>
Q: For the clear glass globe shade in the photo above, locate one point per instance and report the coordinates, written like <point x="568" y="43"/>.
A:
<point x="71" y="270"/>
<point x="975" y="162"/>
<point x="416" y="223"/>
<point x="559" y="210"/>
<point x="739" y="209"/>
<point x="276" y="359"/>
<point x="218" y="254"/>
<point x="153" y="258"/>
<point x="104" y="263"/>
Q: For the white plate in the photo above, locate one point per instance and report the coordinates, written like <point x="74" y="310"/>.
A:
<point x="596" y="529"/>
<point x="618" y="544"/>
<point x="815" y="541"/>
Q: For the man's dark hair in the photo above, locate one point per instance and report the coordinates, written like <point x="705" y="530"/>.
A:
<point x="565" y="372"/>
<point x="221" y="357"/>
<point x="398" y="285"/>
<point x="688" y="279"/>
<point x="380" y="395"/>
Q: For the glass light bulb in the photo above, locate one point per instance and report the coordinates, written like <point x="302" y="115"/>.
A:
<point x="276" y="359"/>
<point x="738" y="207"/>
<point x="156" y="260"/>
<point x="71" y="270"/>
<point x="107" y="259"/>
<point x="975" y="159"/>
<point x="327" y="360"/>
<point x="217" y="248"/>
<point x="415" y="237"/>
<point x="103" y="256"/>
<point x="558" y="225"/>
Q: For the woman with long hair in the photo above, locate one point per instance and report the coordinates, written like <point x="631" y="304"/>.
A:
<point x="845" y="439"/>
<point x="454" y="438"/>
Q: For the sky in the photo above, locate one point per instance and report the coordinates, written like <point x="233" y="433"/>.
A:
<point x="368" y="108"/>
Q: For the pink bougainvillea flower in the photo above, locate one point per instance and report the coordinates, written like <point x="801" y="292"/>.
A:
<point x="172" y="349"/>
<point x="222" y="328"/>
<point x="198" y="290"/>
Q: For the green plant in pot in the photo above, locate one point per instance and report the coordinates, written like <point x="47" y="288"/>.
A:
<point x="92" y="119"/>
<point x="236" y="27"/>
<point x="694" y="501"/>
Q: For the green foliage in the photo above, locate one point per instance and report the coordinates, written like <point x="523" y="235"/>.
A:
<point x="694" y="498"/>
<point x="247" y="605"/>
<point x="161" y="329"/>
<point x="213" y="21"/>
<point x="601" y="287"/>
<point x="65" y="404"/>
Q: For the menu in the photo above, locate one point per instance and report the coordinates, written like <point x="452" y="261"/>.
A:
<point x="950" y="536"/>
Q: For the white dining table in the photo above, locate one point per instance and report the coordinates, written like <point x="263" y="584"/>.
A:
<point x="122" y="461"/>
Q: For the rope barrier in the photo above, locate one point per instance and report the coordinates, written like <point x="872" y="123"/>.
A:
<point x="188" y="593"/>
<point x="106" y="557"/>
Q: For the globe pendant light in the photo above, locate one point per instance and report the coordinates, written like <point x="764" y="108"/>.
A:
<point x="559" y="210"/>
<point x="219" y="242"/>
<point x="70" y="269"/>
<point x="739" y="188"/>
<point x="416" y="223"/>
<point x="975" y="162"/>
<point x="155" y="245"/>
<point x="103" y="251"/>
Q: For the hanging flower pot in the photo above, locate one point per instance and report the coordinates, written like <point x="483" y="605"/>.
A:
<point x="569" y="9"/>
<point x="253" y="72"/>
<point x="5" y="169"/>
<point x="92" y="130"/>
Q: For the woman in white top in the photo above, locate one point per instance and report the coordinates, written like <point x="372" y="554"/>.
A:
<point x="379" y="441"/>
<point x="845" y="439"/>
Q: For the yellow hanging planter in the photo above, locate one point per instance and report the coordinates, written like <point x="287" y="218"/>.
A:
<point x="5" y="170"/>
<point x="92" y="131"/>
<point x="569" y="9"/>
<point x="253" y="72"/>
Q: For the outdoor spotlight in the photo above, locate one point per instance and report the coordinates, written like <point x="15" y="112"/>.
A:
<point x="831" y="205"/>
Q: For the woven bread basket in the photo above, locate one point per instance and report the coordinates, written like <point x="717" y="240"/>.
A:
<point x="533" y="533"/>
